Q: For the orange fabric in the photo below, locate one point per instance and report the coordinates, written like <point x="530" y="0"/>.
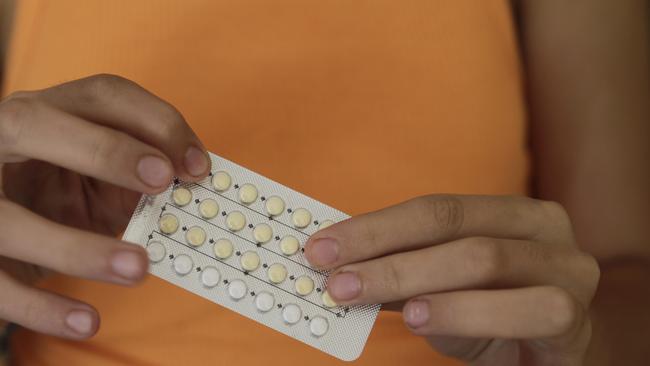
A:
<point x="374" y="102"/>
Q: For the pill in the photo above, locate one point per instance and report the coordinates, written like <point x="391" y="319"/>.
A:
<point x="168" y="223"/>
<point x="250" y="261"/>
<point x="327" y="300"/>
<point x="274" y="205"/>
<point x="156" y="251"/>
<point x="277" y="272"/>
<point x="264" y="301"/>
<point x="195" y="236"/>
<point x="221" y="181"/>
<point x="304" y="285"/>
<point x="247" y="193"/>
<point x="237" y="289"/>
<point x="301" y="217"/>
<point x="210" y="276"/>
<point x="181" y="196"/>
<point x="262" y="233"/>
<point x="318" y="326"/>
<point x="325" y="223"/>
<point x="289" y="245"/>
<point x="291" y="313"/>
<point x="222" y="248"/>
<point x="208" y="208"/>
<point x="235" y="221"/>
<point x="183" y="264"/>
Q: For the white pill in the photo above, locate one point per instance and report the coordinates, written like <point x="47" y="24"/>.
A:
<point x="291" y="313"/>
<point x="301" y="217"/>
<point x="237" y="289"/>
<point x="274" y="205"/>
<point x="304" y="285"/>
<point x="289" y="245"/>
<point x="250" y="261"/>
<point x="277" y="273"/>
<point x="210" y="276"/>
<point x="318" y="326"/>
<point x="235" y="221"/>
<point x="156" y="251"/>
<point x="264" y="301"/>
<point x="327" y="300"/>
<point x="262" y="233"/>
<point x="208" y="208"/>
<point x="183" y="264"/>
<point x="181" y="196"/>
<point x="168" y="223"/>
<point x="195" y="236"/>
<point x="221" y="181"/>
<point x="325" y="223"/>
<point x="222" y="248"/>
<point x="247" y="193"/>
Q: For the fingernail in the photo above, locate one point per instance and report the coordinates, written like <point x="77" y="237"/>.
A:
<point x="80" y="321"/>
<point x="322" y="252"/>
<point x="196" y="161"/>
<point x="416" y="313"/>
<point x="127" y="264"/>
<point x="154" y="171"/>
<point x="344" y="286"/>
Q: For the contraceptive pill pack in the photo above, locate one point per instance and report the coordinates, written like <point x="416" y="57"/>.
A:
<point x="237" y="239"/>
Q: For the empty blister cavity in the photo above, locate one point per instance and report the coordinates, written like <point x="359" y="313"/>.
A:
<point x="264" y="301"/>
<point x="181" y="196"/>
<point x="237" y="289"/>
<point x="221" y="181"/>
<point x="183" y="264"/>
<point x="318" y="326"/>
<point x="210" y="276"/>
<point x="156" y="251"/>
<point x="291" y="313"/>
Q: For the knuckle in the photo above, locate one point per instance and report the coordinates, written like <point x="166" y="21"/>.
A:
<point x="445" y="212"/>
<point x="590" y="270"/>
<point x="485" y="258"/>
<point x="564" y="312"/>
<point x="171" y="121"/>
<point x="104" y="86"/>
<point x="15" y="111"/>
<point x="106" y="146"/>
<point x="393" y="279"/>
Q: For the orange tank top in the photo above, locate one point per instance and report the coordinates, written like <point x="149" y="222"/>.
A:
<point x="362" y="95"/>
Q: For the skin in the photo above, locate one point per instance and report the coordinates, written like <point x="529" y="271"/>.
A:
<point x="491" y="280"/>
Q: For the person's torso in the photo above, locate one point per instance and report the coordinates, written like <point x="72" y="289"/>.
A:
<point x="360" y="104"/>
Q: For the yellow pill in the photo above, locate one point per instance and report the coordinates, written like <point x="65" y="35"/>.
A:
<point x="289" y="245"/>
<point x="262" y="233"/>
<point x="195" y="236"/>
<point x="181" y="196"/>
<point x="247" y="193"/>
<point x="222" y="248"/>
<point x="250" y="261"/>
<point x="208" y="208"/>
<point x="304" y="285"/>
<point x="327" y="300"/>
<point x="221" y="181"/>
<point x="301" y="217"/>
<point x="277" y="273"/>
<point x="235" y="221"/>
<point x="168" y="223"/>
<point x="274" y="205"/>
<point x="325" y="223"/>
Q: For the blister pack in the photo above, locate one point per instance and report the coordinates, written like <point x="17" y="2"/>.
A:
<point x="237" y="238"/>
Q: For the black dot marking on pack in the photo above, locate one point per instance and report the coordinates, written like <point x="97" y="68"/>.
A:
<point x="271" y="218"/>
<point x="318" y="289"/>
<point x="302" y="250"/>
<point x="289" y="210"/>
<point x="258" y="245"/>
<point x="238" y="253"/>
<point x="211" y="241"/>
<point x="198" y="269"/>
<point x="346" y="310"/>
<point x="223" y="213"/>
<point x="277" y="238"/>
<point x="236" y="186"/>
<point x="176" y="181"/>
<point x="171" y="256"/>
<point x="250" y="226"/>
<point x="338" y="315"/>
<point x="279" y="306"/>
<point x="225" y="281"/>
<point x="252" y="293"/>
<point x="196" y="200"/>
<point x="306" y="317"/>
<point x="163" y="208"/>
<point x="150" y="236"/>
<point x="292" y="277"/>
<point x="184" y="228"/>
<point x="245" y="273"/>
<point x="263" y="198"/>
<point x="264" y="265"/>
<point x="315" y="222"/>
<point x="210" y="174"/>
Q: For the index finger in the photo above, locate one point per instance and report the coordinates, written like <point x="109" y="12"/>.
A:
<point x="435" y="219"/>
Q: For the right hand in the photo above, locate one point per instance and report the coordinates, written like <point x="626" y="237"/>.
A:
<point x="74" y="160"/>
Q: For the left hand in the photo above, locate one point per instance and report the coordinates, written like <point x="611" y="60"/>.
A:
<point x="492" y="280"/>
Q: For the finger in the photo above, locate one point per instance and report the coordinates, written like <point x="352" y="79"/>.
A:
<point x="532" y="312"/>
<point x="436" y="219"/>
<point x="46" y="312"/>
<point x="32" y="239"/>
<point x="463" y="264"/>
<point x="124" y="105"/>
<point x="32" y="129"/>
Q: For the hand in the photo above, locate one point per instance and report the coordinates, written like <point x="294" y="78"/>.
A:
<point x="74" y="159"/>
<point x="489" y="280"/>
